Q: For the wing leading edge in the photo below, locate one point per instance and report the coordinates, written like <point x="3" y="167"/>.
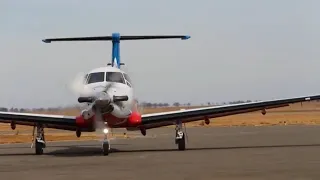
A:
<point x="169" y="118"/>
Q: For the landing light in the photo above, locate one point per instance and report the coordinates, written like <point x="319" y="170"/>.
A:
<point x="105" y="131"/>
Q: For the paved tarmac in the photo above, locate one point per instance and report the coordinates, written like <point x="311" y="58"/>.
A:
<point x="274" y="152"/>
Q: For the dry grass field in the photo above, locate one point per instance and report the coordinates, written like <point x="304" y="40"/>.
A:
<point x="307" y="113"/>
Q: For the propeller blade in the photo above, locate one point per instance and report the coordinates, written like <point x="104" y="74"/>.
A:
<point x="137" y="107"/>
<point x="77" y="84"/>
<point x="86" y="99"/>
<point x="108" y="86"/>
<point x="99" y="124"/>
<point x="141" y="109"/>
<point x="120" y="98"/>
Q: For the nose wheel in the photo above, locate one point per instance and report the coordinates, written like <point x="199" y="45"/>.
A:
<point x="105" y="148"/>
<point x="106" y="143"/>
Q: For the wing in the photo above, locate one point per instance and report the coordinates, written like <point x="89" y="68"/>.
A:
<point x="50" y="121"/>
<point x="169" y="118"/>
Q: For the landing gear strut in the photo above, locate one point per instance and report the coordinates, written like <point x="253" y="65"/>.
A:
<point x="180" y="137"/>
<point x="106" y="143"/>
<point x="39" y="141"/>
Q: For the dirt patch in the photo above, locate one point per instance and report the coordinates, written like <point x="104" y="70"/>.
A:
<point x="272" y="118"/>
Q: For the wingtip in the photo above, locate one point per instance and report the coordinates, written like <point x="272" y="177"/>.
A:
<point x="46" y="41"/>
<point x="186" y="37"/>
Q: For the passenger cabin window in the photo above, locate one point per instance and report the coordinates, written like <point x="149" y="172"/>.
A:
<point x="115" y="77"/>
<point x="95" y="77"/>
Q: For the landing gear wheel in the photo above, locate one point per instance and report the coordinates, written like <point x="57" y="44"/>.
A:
<point x="181" y="143"/>
<point x="39" y="141"/>
<point x="39" y="148"/>
<point x="180" y="140"/>
<point x="105" y="148"/>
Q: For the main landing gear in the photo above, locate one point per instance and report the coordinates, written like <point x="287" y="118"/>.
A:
<point x="39" y="141"/>
<point x="180" y="137"/>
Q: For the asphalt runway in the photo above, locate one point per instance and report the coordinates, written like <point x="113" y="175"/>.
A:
<point x="274" y="152"/>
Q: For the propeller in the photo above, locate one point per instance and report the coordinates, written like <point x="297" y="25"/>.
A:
<point x="99" y="124"/>
<point x="137" y="107"/>
<point x="77" y="84"/>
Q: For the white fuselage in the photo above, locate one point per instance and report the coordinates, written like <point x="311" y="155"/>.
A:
<point x="96" y="80"/>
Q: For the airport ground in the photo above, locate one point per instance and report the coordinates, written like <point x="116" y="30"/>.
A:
<point x="246" y="152"/>
<point x="283" y="144"/>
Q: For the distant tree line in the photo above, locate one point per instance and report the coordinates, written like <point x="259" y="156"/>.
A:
<point x="156" y="105"/>
<point x="28" y="110"/>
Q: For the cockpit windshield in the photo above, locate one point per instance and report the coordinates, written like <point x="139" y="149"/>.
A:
<point x="114" y="77"/>
<point x="95" y="77"/>
<point x="117" y="77"/>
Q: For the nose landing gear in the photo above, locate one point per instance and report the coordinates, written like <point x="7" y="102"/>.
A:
<point x="106" y="143"/>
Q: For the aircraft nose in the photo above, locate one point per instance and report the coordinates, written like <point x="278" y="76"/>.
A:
<point x="98" y="89"/>
<point x="112" y="91"/>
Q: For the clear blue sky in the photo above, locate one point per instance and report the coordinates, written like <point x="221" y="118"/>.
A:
<point x="238" y="49"/>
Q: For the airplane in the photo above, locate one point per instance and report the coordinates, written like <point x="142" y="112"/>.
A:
<point x="108" y="98"/>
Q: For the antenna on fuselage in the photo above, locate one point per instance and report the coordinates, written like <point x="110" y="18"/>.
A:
<point x="115" y="38"/>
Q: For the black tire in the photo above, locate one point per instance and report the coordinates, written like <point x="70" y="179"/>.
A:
<point x="105" y="148"/>
<point x="181" y="144"/>
<point x="39" y="148"/>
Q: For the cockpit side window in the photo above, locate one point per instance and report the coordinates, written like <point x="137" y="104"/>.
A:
<point x="96" y="77"/>
<point x="127" y="78"/>
<point x="85" y="79"/>
<point x="115" y="77"/>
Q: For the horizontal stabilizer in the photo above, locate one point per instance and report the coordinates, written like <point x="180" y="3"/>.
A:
<point x="116" y="38"/>
<point x="122" y="64"/>
<point x="110" y="38"/>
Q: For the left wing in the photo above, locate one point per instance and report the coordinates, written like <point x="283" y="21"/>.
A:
<point x="169" y="118"/>
<point x="30" y="119"/>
